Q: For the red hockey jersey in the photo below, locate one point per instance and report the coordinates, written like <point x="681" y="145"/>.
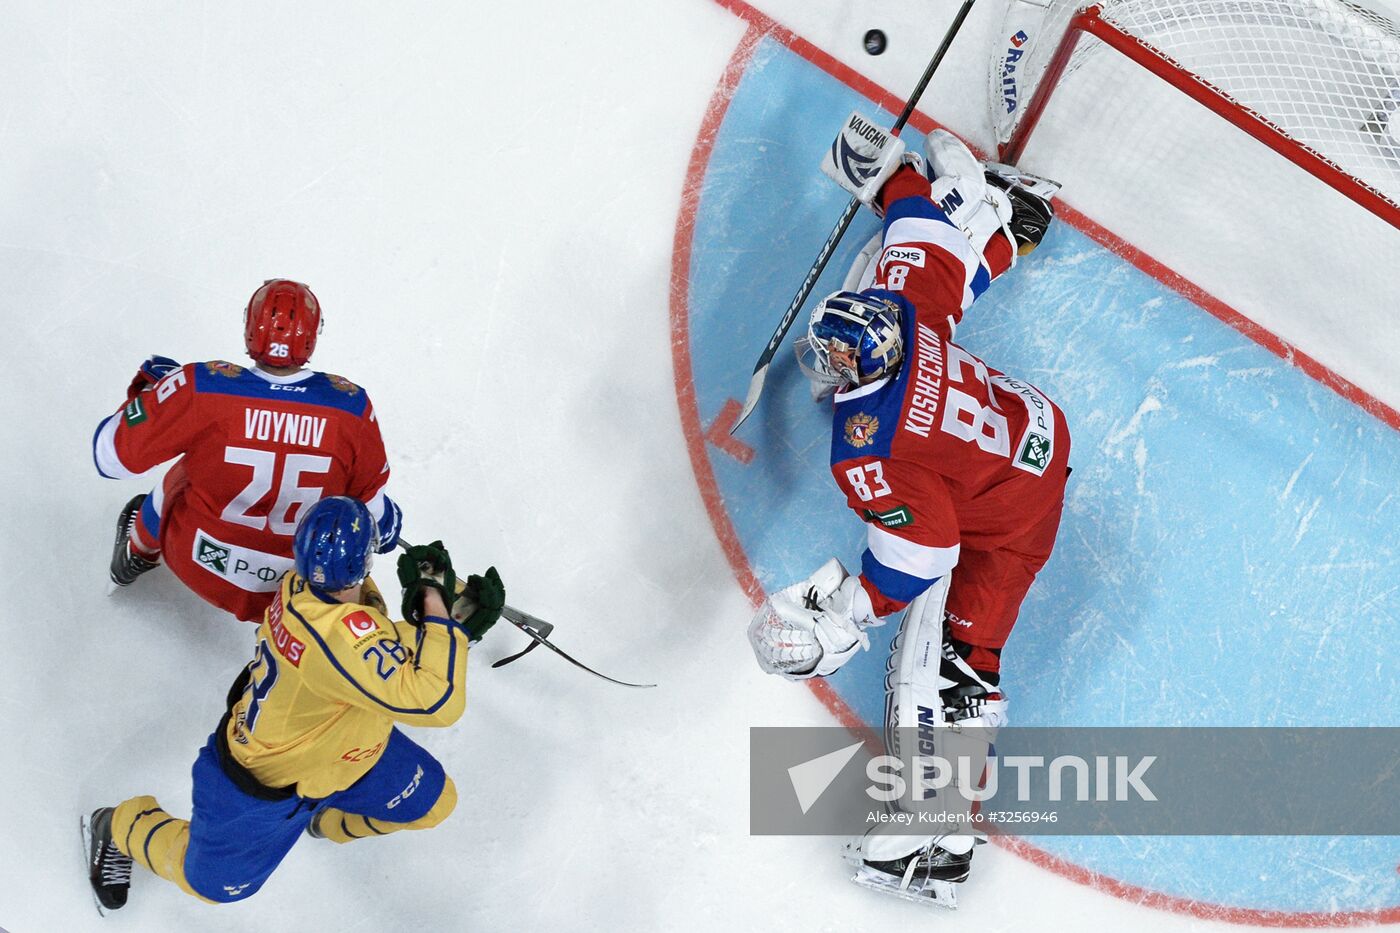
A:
<point x="947" y="453"/>
<point x="255" y="449"/>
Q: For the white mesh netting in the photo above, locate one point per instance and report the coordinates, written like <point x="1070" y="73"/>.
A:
<point x="1325" y="72"/>
<point x="1273" y="240"/>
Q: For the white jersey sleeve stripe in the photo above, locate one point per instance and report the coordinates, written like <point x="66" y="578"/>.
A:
<point x="376" y="505"/>
<point x="943" y="235"/>
<point x="917" y="560"/>
<point x="104" y="450"/>
<point x="940" y="233"/>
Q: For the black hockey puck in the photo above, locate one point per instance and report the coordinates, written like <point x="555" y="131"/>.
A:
<point x="875" y="41"/>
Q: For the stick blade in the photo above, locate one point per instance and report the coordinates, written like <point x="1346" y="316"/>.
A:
<point x="750" y="403"/>
<point x="538" y="629"/>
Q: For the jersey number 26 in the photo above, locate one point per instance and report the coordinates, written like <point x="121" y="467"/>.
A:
<point x="282" y="519"/>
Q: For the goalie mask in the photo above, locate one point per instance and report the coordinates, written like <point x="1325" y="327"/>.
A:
<point x="851" y="339"/>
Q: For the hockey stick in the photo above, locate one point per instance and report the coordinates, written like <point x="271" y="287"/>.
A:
<point x="538" y="630"/>
<point x="760" y="370"/>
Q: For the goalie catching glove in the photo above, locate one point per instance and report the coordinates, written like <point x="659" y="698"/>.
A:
<point x="813" y="627"/>
<point x="475" y="603"/>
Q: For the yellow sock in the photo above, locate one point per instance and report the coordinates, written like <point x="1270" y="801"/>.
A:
<point x="339" y="826"/>
<point x="153" y="838"/>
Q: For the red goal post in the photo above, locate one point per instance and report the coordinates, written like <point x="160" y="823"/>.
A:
<point x="1358" y="79"/>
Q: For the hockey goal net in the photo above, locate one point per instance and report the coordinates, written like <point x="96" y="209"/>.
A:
<point x="1316" y="80"/>
<point x="1251" y="145"/>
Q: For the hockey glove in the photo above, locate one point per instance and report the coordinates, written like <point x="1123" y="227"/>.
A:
<point x="153" y="370"/>
<point x="864" y="157"/>
<point x="390" y="526"/>
<point x="813" y="627"/>
<point x="425" y="567"/>
<point x="480" y="603"/>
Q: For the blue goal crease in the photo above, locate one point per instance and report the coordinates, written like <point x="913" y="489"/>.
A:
<point x="1227" y="535"/>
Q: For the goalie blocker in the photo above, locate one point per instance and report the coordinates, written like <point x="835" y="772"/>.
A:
<point x="863" y="157"/>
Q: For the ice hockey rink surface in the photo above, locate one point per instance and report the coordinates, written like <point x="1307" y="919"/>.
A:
<point x="550" y="240"/>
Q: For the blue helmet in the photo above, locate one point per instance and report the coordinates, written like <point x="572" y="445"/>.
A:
<point x="334" y="544"/>
<point x="851" y="338"/>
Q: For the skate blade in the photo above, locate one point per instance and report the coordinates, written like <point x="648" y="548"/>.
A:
<point x="938" y="893"/>
<point x="85" y="839"/>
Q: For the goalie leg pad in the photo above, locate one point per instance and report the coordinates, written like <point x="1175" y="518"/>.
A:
<point x="861" y="275"/>
<point x="945" y="154"/>
<point x="960" y="188"/>
<point x="912" y="680"/>
<point x="978" y="210"/>
<point x="971" y="695"/>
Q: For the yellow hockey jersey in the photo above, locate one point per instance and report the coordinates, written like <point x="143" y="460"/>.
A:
<point x="328" y="681"/>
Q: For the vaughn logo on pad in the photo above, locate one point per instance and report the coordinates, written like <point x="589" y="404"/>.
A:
<point x="855" y="155"/>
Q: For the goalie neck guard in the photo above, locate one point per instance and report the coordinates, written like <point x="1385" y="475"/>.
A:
<point x="852" y="338"/>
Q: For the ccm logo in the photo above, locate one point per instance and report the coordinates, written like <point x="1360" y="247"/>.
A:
<point x="908" y="255"/>
<point x="360" y="623"/>
<point x="407" y="791"/>
<point x="276" y="388"/>
<point x="360" y="754"/>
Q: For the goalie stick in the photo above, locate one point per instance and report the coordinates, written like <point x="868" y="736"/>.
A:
<point x="538" y="630"/>
<point x="765" y="359"/>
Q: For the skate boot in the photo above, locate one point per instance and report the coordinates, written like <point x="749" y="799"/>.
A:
<point x="127" y="564"/>
<point x="1031" y="210"/>
<point x="913" y="868"/>
<point x="109" y="871"/>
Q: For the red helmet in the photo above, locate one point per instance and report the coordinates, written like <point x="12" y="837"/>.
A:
<point x="281" y="322"/>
